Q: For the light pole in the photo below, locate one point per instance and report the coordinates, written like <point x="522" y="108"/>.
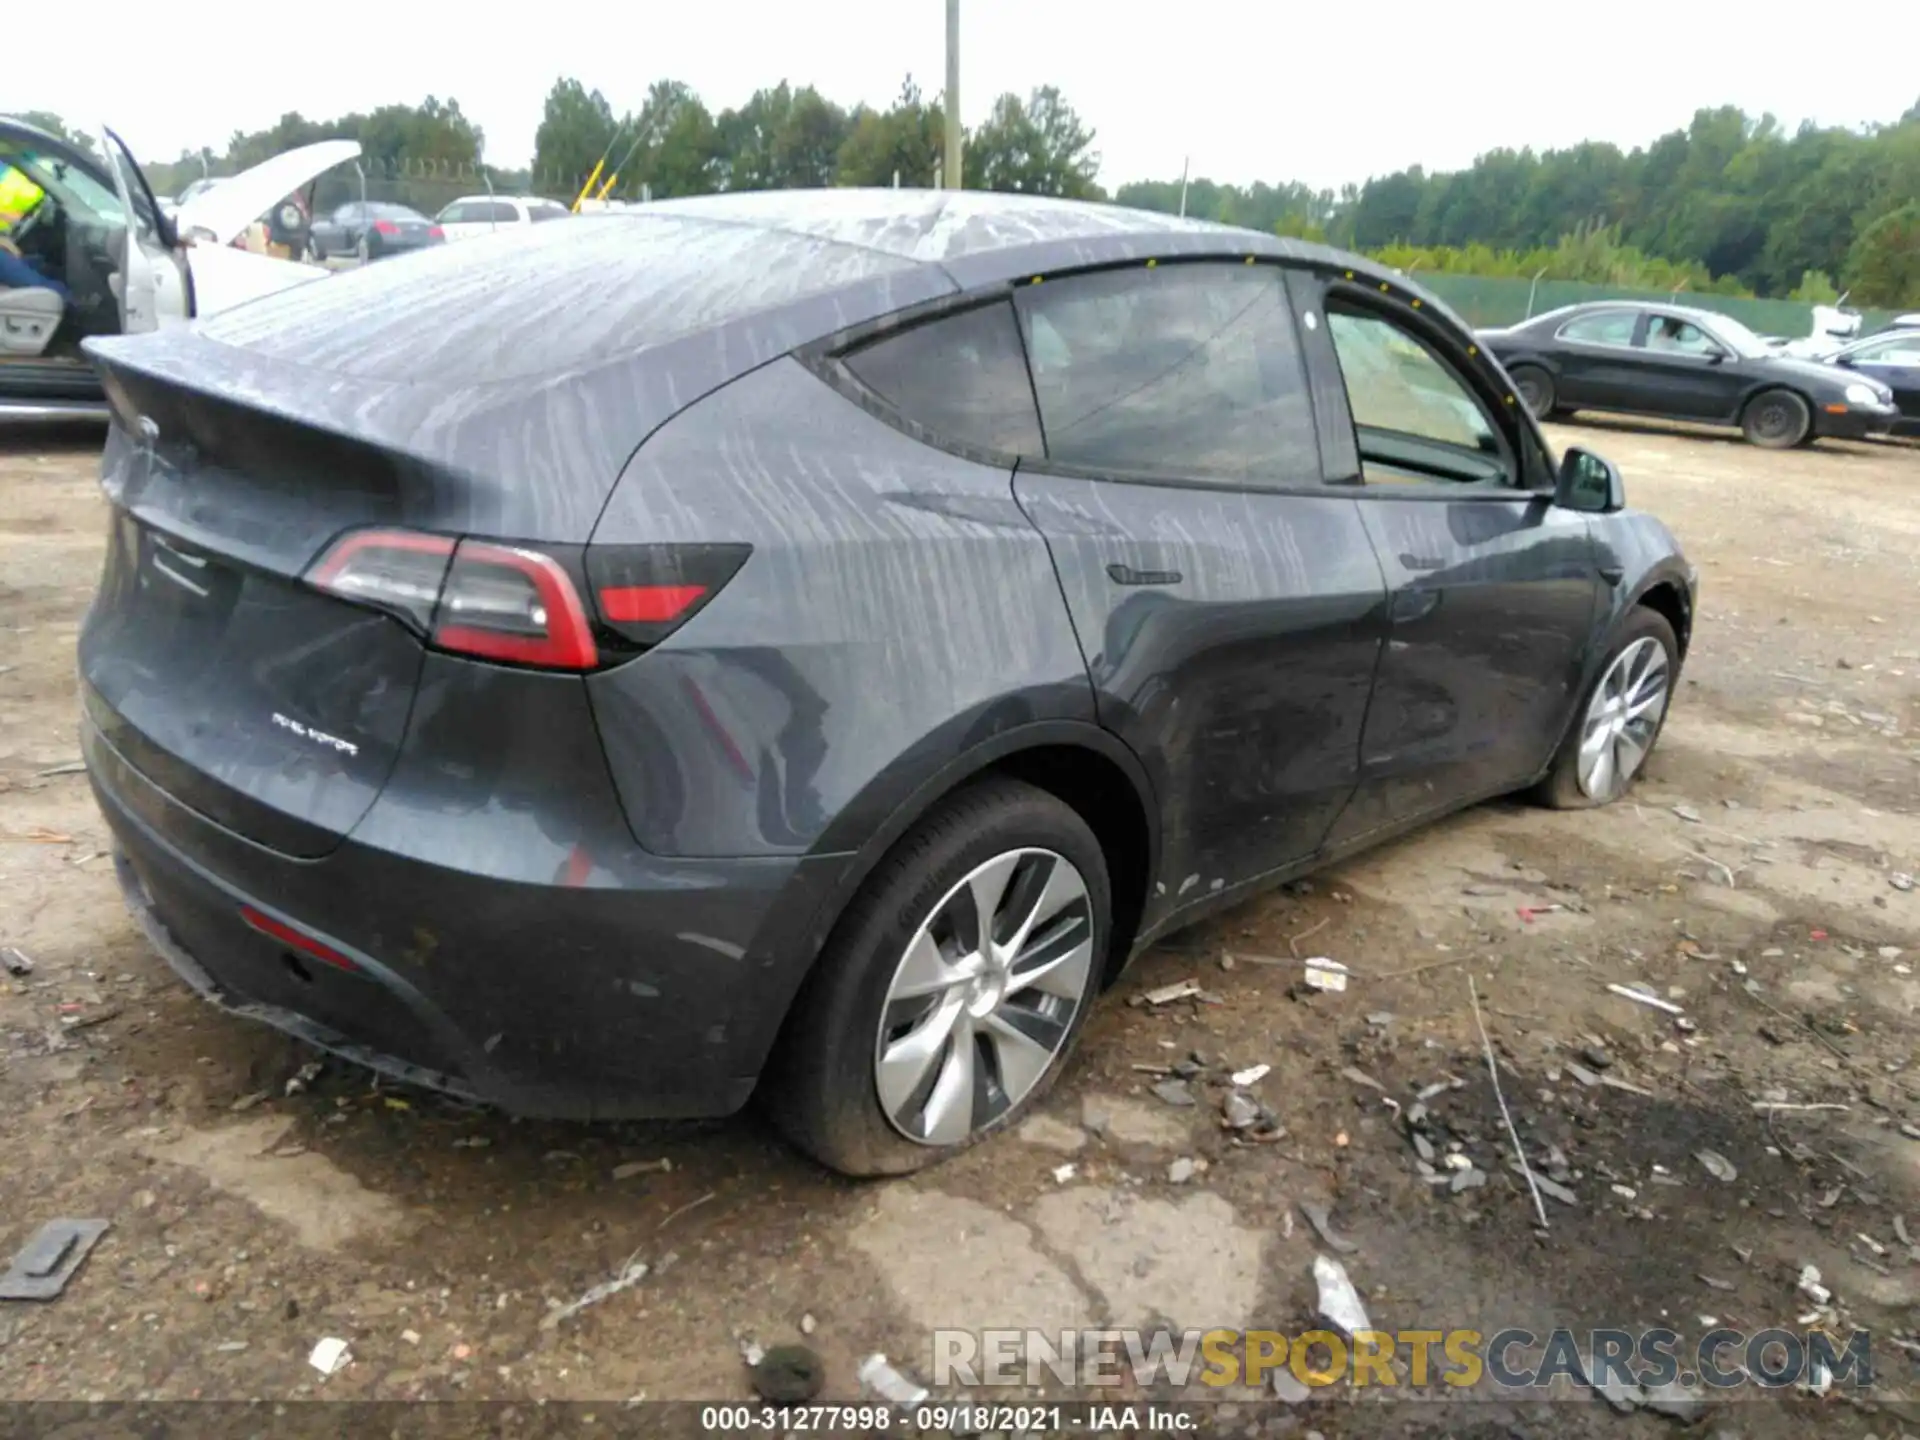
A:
<point x="950" y="171"/>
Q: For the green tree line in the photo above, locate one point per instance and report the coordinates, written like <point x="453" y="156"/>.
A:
<point x="1730" y="204"/>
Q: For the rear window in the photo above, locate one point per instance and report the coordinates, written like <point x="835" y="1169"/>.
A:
<point x="470" y="314"/>
<point x="963" y="378"/>
<point x="548" y="210"/>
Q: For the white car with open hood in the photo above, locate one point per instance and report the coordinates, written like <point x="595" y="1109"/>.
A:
<point x="121" y="264"/>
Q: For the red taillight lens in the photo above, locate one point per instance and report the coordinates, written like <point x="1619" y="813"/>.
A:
<point x="646" y="592"/>
<point x="505" y="603"/>
<point x="294" y="940"/>
<point x="648" y="604"/>
<point x="436" y="232"/>
<point x="385" y="227"/>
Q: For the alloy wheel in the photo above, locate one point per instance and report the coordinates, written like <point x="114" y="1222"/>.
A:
<point x="1622" y="718"/>
<point x="984" y="998"/>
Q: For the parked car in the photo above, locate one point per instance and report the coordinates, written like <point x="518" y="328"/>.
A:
<point x="1893" y="359"/>
<point x="373" y="230"/>
<point x="1677" y="363"/>
<point x="775" y="640"/>
<point x="476" y="215"/>
<point x="126" y="263"/>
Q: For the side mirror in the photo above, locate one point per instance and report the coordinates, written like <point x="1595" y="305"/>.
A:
<point x="1716" y="357"/>
<point x="1587" y="482"/>
<point x="1845" y="362"/>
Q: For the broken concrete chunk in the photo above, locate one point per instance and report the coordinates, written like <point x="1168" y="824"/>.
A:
<point x="1717" y="1165"/>
<point x="1174" y="1092"/>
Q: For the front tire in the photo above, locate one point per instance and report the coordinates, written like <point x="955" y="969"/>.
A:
<point x="1620" y="717"/>
<point x="1776" y="420"/>
<point x="952" y="990"/>
<point x="1536" y="390"/>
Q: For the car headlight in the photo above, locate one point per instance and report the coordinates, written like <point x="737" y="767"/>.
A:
<point x="1864" y="395"/>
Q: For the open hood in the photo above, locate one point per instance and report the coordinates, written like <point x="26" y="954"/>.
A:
<point x="225" y="210"/>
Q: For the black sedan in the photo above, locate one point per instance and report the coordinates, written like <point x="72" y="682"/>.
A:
<point x="371" y="230"/>
<point x="1677" y="363"/>
<point x="770" y="641"/>
<point x="1893" y="358"/>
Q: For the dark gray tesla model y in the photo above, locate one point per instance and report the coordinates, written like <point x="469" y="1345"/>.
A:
<point x="813" y="640"/>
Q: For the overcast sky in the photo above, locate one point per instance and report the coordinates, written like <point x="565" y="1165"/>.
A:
<point x="1251" y="89"/>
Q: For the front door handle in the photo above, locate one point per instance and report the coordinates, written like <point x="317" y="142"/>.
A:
<point x="1422" y="562"/>
<point x="1613" y="574"/>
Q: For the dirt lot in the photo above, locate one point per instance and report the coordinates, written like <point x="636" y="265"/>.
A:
<point x="1750" y="879"/>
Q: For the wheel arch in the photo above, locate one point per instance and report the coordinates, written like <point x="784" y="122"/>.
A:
<point x="1088" y="768"/>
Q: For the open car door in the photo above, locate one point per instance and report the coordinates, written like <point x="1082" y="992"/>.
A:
<point x="146" y="265"/>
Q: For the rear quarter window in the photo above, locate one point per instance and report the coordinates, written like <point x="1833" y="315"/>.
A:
<point x="962" y="378"/>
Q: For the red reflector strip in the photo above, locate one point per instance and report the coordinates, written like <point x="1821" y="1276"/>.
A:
<point x="294" y="940"/>
<point x="647" y="604"/>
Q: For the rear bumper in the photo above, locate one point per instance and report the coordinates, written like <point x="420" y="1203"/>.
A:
<point x="556" y="998"/>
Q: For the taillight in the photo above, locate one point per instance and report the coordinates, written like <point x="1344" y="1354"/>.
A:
<point x="505" y="603"/>
<point x="522" y="606"/>
<point x="385" y="227"/>
<point x="436" y="232"/>
<point x="646" y="592"/>
<point x="394" y="570"/>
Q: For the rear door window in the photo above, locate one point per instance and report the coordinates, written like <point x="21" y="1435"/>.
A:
<point x="1181" y="371"/>
<point x="962" y="378"/>
<point x="1610" y="327"/>
<point x="1414" y="418"/>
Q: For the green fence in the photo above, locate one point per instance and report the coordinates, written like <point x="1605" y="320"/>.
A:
<point x="1507" y="300"/>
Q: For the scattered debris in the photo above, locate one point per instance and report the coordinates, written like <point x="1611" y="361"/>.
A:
<point x="1180" y="1171"/>
<point x="1642" y="997"/>
<point x="1712" y="1284"/>
<point x="632" y="1168"/>
<point x="471" y="1142"/>
<point x="1167" y="994"/>
<point x="1322" y="1222"/>
<point x="1900" y="880"/>
<point x="1174" y="1092"/>
<point x="1783" y="1105"/>
<point x="67" y="767"/>
<point x="1675" y="1401"/>
<point x="631" y="1274"/>
<point x="304" y="1077"/>
<point x="1468" y="1179"/>
<point x="330" y="1356"/>
<point x="788" y="1374"/>
<point x="877" y="1375"/>
<point x="1809" y="1285"/>
<point x="1339" y="1303"/>
<point x="1717" y="1165"/>
<point x="43" y="1266"/>
<point x="1687" y="813"/>
<point x="1493" y="1069"/>
<point x="1360" y="1077"/>
<point x="410" y="1337"/>
<point x="1288" y="1389"/>
<point x="1063" y="1173"/>
<point x="1252" y="1075"/>
<point x="1325" y="974"/>
<point x="808" y="1324"/>
<point x="16" y="961"/>
<point x="1614" y="1082"/>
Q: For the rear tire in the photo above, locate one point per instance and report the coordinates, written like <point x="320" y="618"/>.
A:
<point x="1776" y="420"/>
<point x="883" y="986"/>
<point x="1644" y="653"/>
<point x="1536" y="390"/>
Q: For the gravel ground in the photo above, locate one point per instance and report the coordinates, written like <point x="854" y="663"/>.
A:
<point x="1749" y="879"/>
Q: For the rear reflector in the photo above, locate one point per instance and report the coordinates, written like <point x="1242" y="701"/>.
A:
<point x="294" y="940"/>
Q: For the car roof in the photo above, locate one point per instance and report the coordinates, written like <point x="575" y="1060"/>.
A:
<point x="1652" y="307"/>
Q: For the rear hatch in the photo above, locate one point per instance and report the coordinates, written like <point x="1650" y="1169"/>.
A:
<point x="444" y="413"/>
<point x="242" y="691"/>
